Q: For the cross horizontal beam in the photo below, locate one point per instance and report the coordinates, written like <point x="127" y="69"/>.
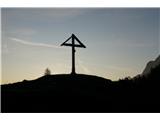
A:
<point x="75" y="45"/>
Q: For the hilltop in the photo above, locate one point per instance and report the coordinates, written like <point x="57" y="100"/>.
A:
<point x="50" y="92"/>
<point x="60" y="82"/>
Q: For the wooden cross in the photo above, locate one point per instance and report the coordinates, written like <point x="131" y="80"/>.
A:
<point x="73" y="45"/>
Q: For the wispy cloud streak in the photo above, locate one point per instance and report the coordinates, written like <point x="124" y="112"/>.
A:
<point x="34" y="43"/>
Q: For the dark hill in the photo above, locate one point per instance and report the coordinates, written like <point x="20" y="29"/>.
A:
<point x="83" y="93"/>
<point x="46" y="92"/>
<point x="60" y="82"/>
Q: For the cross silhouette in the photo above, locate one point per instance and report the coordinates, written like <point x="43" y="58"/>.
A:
<point x="73" y="45"/>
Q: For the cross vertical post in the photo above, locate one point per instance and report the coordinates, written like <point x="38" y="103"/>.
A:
<point x="73" y="56"/>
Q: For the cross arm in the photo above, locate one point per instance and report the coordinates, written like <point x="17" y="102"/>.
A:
<point x="75" y="45"/>
<point x="66" y="41"/>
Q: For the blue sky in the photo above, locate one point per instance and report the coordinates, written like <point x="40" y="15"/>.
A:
<point x="119" y="41"/>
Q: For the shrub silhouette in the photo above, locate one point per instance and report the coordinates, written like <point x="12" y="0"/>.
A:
<point x="47" y="72"/>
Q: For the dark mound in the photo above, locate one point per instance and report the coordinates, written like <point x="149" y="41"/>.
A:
<point x="53" y="93"/>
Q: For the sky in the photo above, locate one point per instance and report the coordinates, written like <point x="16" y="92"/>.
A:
<point x="119" y="41"/>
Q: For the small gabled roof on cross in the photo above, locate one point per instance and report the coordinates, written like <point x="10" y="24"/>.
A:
<point x="73" y="37"/>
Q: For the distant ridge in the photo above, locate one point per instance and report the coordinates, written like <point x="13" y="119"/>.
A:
<point x="150" y="65"/>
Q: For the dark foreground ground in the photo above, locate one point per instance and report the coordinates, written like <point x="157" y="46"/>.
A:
<point x="83" y="93"/>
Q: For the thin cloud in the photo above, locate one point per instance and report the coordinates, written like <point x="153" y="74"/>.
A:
<point x="24" y="42"/>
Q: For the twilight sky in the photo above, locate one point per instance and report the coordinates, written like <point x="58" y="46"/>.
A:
<point x="119" y="41"/>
